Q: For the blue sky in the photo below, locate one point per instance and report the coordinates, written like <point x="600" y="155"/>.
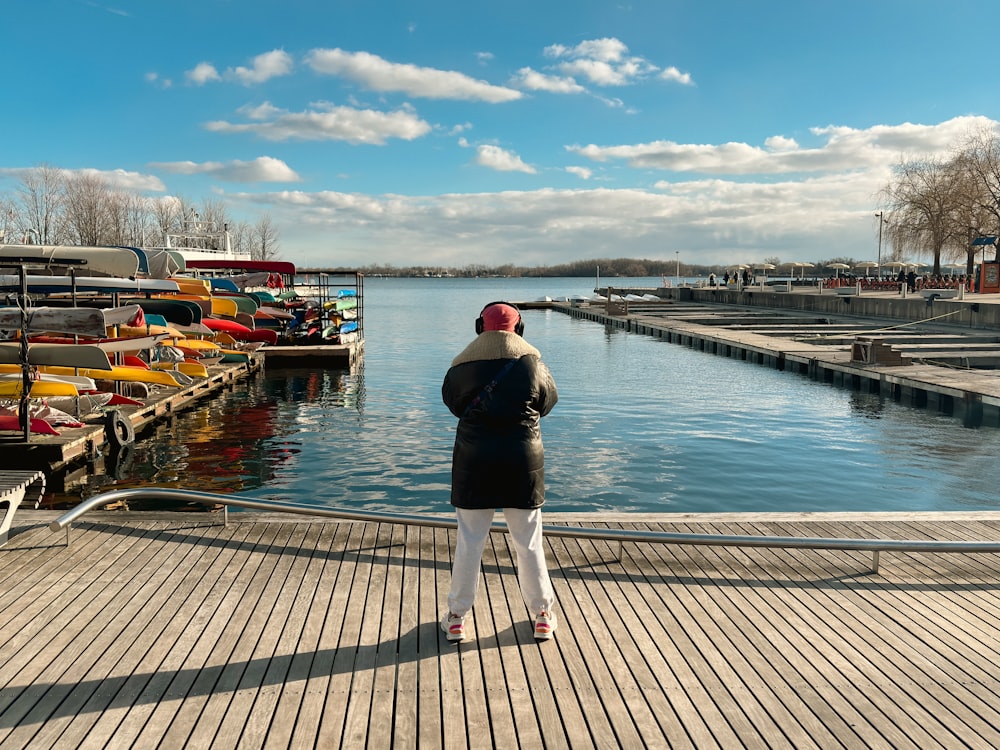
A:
<point x="456" y="133"/>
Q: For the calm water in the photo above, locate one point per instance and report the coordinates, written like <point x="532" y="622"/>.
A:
<point x="641" y="425"/>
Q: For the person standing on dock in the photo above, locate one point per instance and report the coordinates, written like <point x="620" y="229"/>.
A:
<point x="499" y="388"/>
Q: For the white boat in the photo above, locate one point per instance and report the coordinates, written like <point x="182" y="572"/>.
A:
<point x="201" y="240"/>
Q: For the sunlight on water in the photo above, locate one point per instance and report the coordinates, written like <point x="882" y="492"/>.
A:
<point x="641" y="425"/>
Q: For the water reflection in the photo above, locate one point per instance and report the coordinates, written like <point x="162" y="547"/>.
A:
<point x="234" y="442"/>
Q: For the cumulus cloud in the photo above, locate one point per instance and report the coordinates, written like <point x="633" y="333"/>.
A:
<point x="121" y="179"/>
<point x="582" y="172"/>
<point x="604" y="62"/>
<point x="261" y="169"/>
<point x="715" y="221"/>
<point x="202" y="73"/>
<point x="532" y="80"/>
<point x="501" y="160"/>
<point x="673" y="74"/>
<point x="378" y="74"/>
<point x="840" y="148"/>
<point x="326" y="122"/>
<point x="263" y="67"/>
<point x="116" y="179"/>
<point x="712" y="219"/>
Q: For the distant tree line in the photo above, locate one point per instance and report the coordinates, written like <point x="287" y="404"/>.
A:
<point x="52" y="206"/>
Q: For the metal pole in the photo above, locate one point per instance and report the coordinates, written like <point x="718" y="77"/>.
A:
<point x="880" y="221"/>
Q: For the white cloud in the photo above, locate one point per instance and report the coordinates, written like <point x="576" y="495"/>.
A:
<point x="603" y="62"/>
<point x="202" y="73"/>
<point x="582" y="172"/>
<point x="265" y="67"/>
<point x="155" y="79"/>
<point x="711" y="220"/>
<point x="501" y="160"/>
<point x="261" y="169"/>
<point x="378" y="74"/>
<point x="121" y="179"/>
<point x="117" y="179"/>
<point x="326" y="122"/>
<point x="841" y="149"/>
<point x="526" y="78"/>
<point x="673" y="74"/>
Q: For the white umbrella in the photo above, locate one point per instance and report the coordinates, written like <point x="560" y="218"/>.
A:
<point x="867" y="265"/>
<point x="839" y="266"/>
<point x="802" y="266"/>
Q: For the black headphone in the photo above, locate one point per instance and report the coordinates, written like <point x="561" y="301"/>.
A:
<point x="518" y="326"/>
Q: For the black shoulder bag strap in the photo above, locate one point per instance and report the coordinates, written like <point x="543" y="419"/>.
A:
<point x="488" y="389"/>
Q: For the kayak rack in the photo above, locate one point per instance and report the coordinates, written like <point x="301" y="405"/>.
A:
<point x="875" y="546"/>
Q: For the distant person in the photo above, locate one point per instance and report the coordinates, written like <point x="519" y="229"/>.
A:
<point x="911" y="281"/>
<point x="499" y="389"/>
<point x="711" y="279"/>
<point x="725" y="278"/>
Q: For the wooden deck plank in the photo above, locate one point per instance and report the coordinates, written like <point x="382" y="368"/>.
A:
<point x="286" y="669"/>
<point x="349" y="610"/>
<point x="924" y="685"/>
<point x="157" y="665"/>
<point x="611" y="695"/>
<point x="326" y="627"/>
<point x="290" y="634"/>
<point x="111" y="645"/>
<point x="42" y="652"/>
<point x="263" y="630"/>
<point x="883" y="659"/>
<point x="435" y="559"/>
<point x="191" y="671"/>
<point x="402" y="721"/>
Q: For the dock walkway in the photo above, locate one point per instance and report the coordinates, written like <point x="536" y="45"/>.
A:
<point x="167" y="631"/>
<point x="924" y="363"/>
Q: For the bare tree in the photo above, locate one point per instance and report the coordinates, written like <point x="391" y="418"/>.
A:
<point x="41" y="196"/>
<point x="85" y="209"/>
<point x="924" y="202"/>
<point x="240" y="237"/>
<point x="264" y="239"/>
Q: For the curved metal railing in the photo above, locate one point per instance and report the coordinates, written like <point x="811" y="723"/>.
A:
<point x="614" y="535"/>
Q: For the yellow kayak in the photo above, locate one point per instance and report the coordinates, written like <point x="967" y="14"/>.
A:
<point x="199" y="344"/>
<point x="199" y="287"/>
<point x="150" y="330"/>
<point x="39" y="389"/>
<point x="121" y="373"/>
<point x="193" y="369"/>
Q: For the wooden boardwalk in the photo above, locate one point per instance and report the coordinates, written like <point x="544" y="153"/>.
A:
<point x="163" y="631"/>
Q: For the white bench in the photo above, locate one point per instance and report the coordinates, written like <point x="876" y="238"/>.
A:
<point x="14" y="485"/>
<point x="938" y="293"/>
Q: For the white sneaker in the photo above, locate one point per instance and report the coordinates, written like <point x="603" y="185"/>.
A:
<point x="453" y="626"/>
<point x="545" y="626"/>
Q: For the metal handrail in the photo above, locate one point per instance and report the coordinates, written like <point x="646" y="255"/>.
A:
<point x="615" y="535"/>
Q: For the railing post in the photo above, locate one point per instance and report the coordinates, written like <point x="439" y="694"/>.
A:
<point x="875" y="561"/>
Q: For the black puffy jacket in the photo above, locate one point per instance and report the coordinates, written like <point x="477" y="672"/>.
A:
<point x="498" y="461"/>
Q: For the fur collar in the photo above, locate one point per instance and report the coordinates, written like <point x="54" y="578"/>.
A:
<point x="495" y="345"/>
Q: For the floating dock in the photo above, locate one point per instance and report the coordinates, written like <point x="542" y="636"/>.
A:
<point x="78" y="447"/>
<point x="942" y="355"/>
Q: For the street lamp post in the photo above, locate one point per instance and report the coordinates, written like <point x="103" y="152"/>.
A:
<point x="677" y="254"/>
<point x="881" y="221"/>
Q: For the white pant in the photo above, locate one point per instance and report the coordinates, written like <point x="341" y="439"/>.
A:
<point x="525" y="528"/>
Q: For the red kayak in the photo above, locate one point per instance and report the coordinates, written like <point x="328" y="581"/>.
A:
<point x="234" y="329"/>
<point x="38" y="426"/>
